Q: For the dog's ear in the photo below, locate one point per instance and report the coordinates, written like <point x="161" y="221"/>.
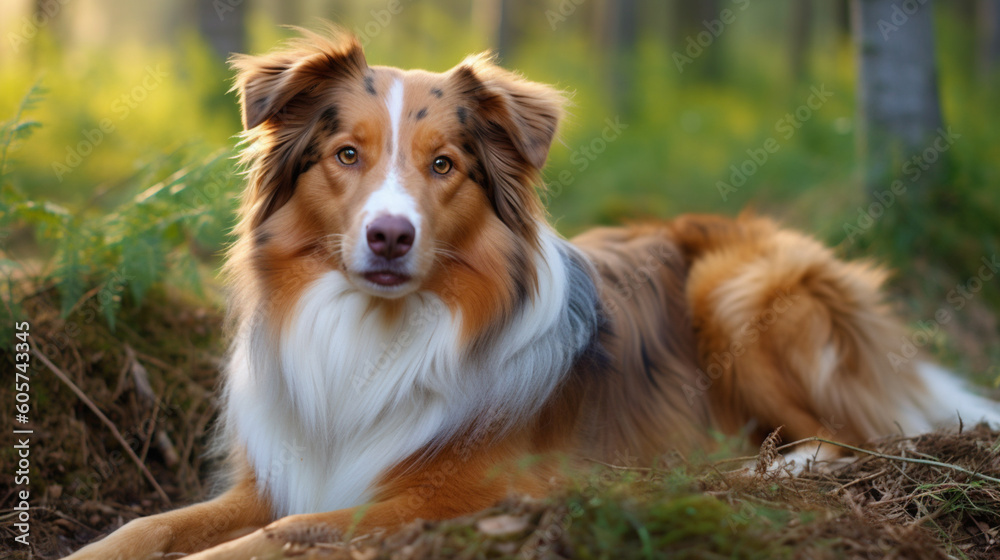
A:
<point x="527" y="112"/>
<point x="267" y="84"/>
<point x="286" y="96"/>
<point x="513" y="122"/>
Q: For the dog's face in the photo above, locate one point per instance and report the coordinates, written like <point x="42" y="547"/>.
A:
<point x="391" y="176"/>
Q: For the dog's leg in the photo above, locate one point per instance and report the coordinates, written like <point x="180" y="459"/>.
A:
<point x="236" y="512"/>
<point x="456" y="482"/>
<point x="331" y="526"/>
<point x="307" y="529"/>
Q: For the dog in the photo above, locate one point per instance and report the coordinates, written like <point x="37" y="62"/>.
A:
<point x="408" y="330"/>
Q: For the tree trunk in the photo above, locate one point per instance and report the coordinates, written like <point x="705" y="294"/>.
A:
<point x="496" y="19"/>
<point x="801" y="25"/>
<point x="842" y="18"/>
<point x="988" y="48"/>
<point x="50" y="17"/>
<point x="223" y="25"/>
<point x="506" y="29"/>
<point x="898" y="94"/>
<point x="621" y="30"/>
<point x="691" y="18"/>
<point x="284" y="12"/>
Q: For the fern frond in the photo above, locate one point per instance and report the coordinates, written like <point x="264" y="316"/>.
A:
<point x="17" y="128"/>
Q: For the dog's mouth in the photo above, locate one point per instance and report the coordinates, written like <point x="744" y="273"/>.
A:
<point x="386" y="278"/>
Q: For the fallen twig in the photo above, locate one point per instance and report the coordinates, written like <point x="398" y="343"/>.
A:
<point x="618" y="467"/>
<point x="889" y="457"/>
<point x="111" y="426"/>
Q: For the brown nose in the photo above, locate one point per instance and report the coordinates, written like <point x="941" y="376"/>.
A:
<point x="390" y="236"/>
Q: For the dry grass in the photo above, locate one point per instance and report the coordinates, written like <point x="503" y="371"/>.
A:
<point x="154" y="381"/>
<point x="961" y="510"/>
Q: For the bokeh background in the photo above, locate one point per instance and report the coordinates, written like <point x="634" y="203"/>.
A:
<point x="120" y="96"/>
<point x="118" y="182"/>
<point x="670" y="103"/>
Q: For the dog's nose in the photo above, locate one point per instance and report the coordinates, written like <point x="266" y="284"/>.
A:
<point x="391" y="236"/>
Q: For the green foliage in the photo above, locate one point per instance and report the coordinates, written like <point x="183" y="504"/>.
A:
<point x="18" y="128"/>
<point x="654" y="513"/>
<point x="12" y="133"/>
<point x="672" y="525"/>
<point x="116" y="255"/>
<point x="684" y="132"/>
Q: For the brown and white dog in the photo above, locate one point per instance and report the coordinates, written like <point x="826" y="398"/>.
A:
<point x="409" y="329"/>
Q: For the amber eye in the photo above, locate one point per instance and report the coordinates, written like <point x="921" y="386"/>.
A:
<point x="348" y="155"/>
<point x="441" y="165"/>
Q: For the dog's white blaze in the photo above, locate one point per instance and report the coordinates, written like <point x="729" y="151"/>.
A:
<point x="394" y="103"/>
<point x="340" y="398"/>
<point x="391" y="198"/>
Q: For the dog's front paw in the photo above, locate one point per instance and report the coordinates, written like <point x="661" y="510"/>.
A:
<point x="139" y="539"/>
<point x="272" y="540"/>
<point x="260" y="543"/>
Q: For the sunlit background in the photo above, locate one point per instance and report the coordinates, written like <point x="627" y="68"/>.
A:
<point x="130" y="164"/>
<point x="118" y="187"/>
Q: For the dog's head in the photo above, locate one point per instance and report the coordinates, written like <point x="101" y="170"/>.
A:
<point x="402" y="180"/>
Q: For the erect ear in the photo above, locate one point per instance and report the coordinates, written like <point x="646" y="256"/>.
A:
<point x="513" y="122"/>
<point x="268" y="83"/>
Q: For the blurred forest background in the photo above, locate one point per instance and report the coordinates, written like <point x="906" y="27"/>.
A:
<point x="118" y="152"/>
<point x="873" y="124"/>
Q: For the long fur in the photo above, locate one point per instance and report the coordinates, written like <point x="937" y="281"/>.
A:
<point x="498" y="349"/>
<point x="356" y="394"/>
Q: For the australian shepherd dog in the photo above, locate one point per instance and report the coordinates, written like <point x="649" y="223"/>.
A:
<point x="408" y="330"/>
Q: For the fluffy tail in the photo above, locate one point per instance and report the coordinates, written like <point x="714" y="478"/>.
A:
<point x="950" y="401"/>
<point x="789" y="335"/>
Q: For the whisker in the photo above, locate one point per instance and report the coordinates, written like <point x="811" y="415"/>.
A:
<point x="331" y="242"/>
<point x="450" y="254"/>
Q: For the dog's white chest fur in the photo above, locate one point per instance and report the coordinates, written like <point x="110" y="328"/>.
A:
<point x="334" y="403"/>
<point x="341" y="397"/>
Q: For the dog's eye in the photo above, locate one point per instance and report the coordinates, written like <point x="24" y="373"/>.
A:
<point x="348" y="155"/>
<point x="441" y="165"/>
